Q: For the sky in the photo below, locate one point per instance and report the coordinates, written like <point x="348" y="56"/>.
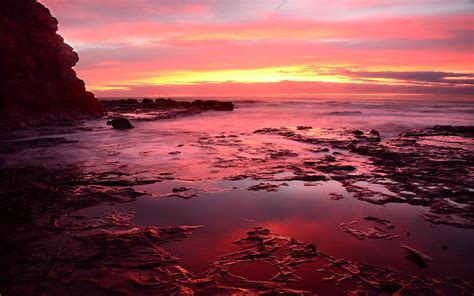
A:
<point x="271" y="48"/>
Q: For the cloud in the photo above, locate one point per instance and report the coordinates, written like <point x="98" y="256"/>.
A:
<point x="288" y="88"/>
<point x="449" y="78"/>
<point x="231" y="11"/>
<point x="125" y="42"/>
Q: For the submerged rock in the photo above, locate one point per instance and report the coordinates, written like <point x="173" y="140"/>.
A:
<point x="266" y="186"/>
<point x="374" y="232"/>
<point x="181" y="189"/>
<point x="387" y="223"/>
<point x="121" y="123"/>
<point x="417" y="257"/>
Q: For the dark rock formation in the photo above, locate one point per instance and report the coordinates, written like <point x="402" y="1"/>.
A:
<point x="213" y="105"/>
<point x="358" y="132"/>
<point x="166" y="103"/>
<point x="37" y="81"/>
<point x="131" y="101"/>
<point x="133" y="105"/>
<point x="121" y="123"/>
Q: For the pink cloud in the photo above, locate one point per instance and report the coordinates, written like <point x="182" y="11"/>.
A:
<point x="124" y="40"/>
<point x="288" y="88"/>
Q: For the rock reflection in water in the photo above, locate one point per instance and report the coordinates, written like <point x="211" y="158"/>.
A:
<point x="191" y="205"/>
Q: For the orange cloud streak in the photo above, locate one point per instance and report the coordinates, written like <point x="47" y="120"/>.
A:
<point x="122" y="52"/>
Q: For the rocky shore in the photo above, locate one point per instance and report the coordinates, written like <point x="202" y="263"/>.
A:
<point x="134" y="105"/>
<point x="160" y="108"/>
<point x="51" y="247"/>
<point x="195" y="205"/>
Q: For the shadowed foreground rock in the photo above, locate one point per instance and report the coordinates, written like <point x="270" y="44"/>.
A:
<point x="37" y="82"/>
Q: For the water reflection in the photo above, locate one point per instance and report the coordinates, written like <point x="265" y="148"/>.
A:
<point x="305" y="213"/>
<point x="213" y="146"/>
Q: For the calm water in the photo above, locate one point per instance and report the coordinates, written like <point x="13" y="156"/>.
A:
<point x="227" y="210"/>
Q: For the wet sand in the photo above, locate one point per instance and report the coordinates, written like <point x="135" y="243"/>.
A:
<point x="237" y="202"/>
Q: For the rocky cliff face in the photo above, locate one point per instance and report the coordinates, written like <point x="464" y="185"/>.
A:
<point x="37" y="81"/>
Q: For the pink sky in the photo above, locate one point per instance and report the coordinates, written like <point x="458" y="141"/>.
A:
<point x="271" y="48"/>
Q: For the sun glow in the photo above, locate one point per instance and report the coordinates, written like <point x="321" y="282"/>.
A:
<point x="300" y="73"/>
<point x="274" y="74"/>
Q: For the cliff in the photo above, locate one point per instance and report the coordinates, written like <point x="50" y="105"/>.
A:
<point x="37" y="81"/>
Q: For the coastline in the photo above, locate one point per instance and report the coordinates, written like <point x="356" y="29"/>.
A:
<point x="86" y="213"/>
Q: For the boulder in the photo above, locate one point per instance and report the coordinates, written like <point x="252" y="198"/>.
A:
<point x="121" y="123"/>
<point x="358" y="132"/>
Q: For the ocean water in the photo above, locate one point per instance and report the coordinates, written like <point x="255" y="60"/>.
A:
<point x="389" y="116"/>
<point x="201" y="151"/>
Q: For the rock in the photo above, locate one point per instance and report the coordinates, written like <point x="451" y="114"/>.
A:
<point x="197" y="103"/>
<point x="319" y="150"/>
<point x="37" y="82"/>
<point x="184" y="192"/>
<point x="147" y="101"/>
<point x="121" y="123"/>
<point x="269" y="187"/>
<point x="132" y="101"/>
<point x="390" y="287"/>
<point x="371" y="136"/>
<point x="450" y="129"/>
<point x="184" y="104"/>
<point x="312" y="178"/>
<point x="166" y="103"/>
<point x="374" y="136"/>
<point x="441" y="130"/>
<point x="418" y="258"/>
<point x="181" y="189"/>
<point x="213" y="105"/>
<point x="371" y="232"/>
<point x="374" y="132"/>
<point x="336" y="196"/>
<point x="224" y="106"/>
<point x="357" y="132"/>
<point x="384" y="222"/>
<point x="303" y="128"/>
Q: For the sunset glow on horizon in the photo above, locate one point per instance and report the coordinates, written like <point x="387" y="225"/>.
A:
<point x="271" y="48"/>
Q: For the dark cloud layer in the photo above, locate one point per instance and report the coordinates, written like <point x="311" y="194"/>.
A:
<point x="415" y="76"/>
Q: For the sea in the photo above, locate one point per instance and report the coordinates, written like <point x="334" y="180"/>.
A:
<point x="188" y="148"/>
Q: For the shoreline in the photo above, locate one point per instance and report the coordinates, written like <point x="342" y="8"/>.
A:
<point x="63" y="234"/>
